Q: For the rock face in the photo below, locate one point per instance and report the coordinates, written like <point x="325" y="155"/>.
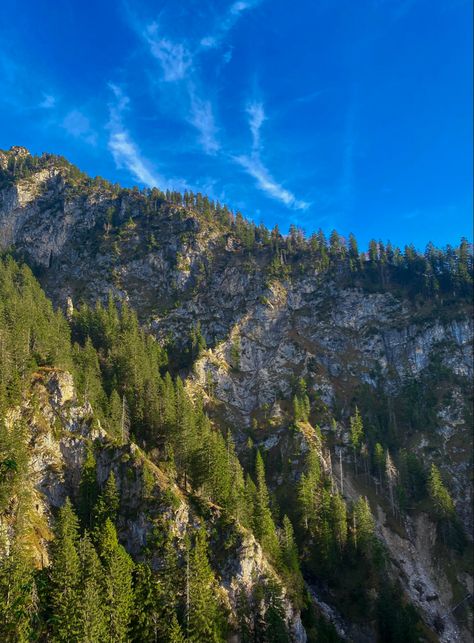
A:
<point x="60" y="432"/>
<point x="177" y="267"/>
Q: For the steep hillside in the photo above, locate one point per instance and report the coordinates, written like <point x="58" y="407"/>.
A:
<point x="341" y="377"/>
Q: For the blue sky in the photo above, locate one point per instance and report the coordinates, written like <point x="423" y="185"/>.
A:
<point x="346" y="114"/>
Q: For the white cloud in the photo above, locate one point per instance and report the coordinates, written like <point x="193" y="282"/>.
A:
<point x="126" y="152"/>
<point x="254" y="166"/>
<point x="126" y="155"/>
<point x="176" y="62"/>
<point x="174" y="57"/>
<point x="227" y="22"/>
<point x="78" y="125"/>
<point x="257" y="116"/>
<point x="202" y="118"/>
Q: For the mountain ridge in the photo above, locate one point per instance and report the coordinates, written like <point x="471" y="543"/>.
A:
<point x="281" y="338"/>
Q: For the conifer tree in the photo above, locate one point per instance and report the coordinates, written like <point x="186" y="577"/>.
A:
<point x="175" y="633"/>
<point x="264" y="527"/>
<point x="18" y="596"/>
<point x="147" y="619"/>
<point x="363" y="526"/>
<point x="92" y="617"/>
<point x="107" y="504"/>
<point x="115" y="415"/>
<point x="379" y="457"/>
<point x="65" y="578"/>
<point x="391" y="475"/>
<point x="250" y="494"/>
<point x="275" y="626"/>
<point x="88" y="489"/>
<point x="357" y="432"/>
<point x="118" y="568"/>
<point x="204" y="611"/>
<point x="339" y="520"/>
<point x="442" y="501"/>
<point x="171" y="581"/>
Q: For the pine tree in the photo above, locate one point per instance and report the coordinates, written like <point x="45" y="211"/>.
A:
<point x="107" y="504"/>
<point x="204" y="615"/>
<point x="288" y="546"/>
<point x="379" y="457"/>
<point x="65" y="578"/>
<point x="357" y="432"/>
<point x="18" y="596"/>
<point x="235" y="351"/>
<point x="115" y="415"/>
<point x="147" y="619"/>
<point x="118" y="568"/>
<point x="339" y="520"/>
<point x="392" y="475"/>
<point x="275" y="626"/>
<point x="88" y="489"/>
<point x="442" y="501"/>
<point x="250" y="494"/>
<point x="92" y="618"/>
<point x="364" y="526"/>
<point x="264" y="527"/>
<point x="175" y="633"/>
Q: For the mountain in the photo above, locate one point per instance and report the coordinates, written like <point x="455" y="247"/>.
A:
<point x="293" y="415"/>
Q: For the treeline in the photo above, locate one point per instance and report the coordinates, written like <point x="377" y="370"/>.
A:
<point x="433" y="273"/>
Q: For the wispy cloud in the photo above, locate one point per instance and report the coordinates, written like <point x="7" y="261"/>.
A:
<point x="174" y="57"/>
<point x="227" y="22"/>
<point x="78" y="125"/>
<point x="254" y="166"/>
<point x="257" y="116"/>
<point x="202" y="117"/>
<point x="177" y="66"/>
<point x="126" y="152"/>
<point x="127" y="155"/>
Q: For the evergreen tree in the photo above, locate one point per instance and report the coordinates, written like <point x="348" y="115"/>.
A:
<point x="175" y="633"/>
<point x="147" y="619"/>
<point x="288" y="546"/>
<point x="107" y="504"/>
<point x="442" y="502"/>
<point x="379" y="457"/>
<point x="275" y="626"/>
<point x="339" y="520"/>
<point x="204" y="611"/>
<point x="18" y="596"/>
<point x="118" y="588"/>
<point x="264" y="527"/>
<point x="357" y="433"/>
<point x="363" y="526"/>
<point x="88" y="489"/>
<point x="65" y="577"/>
<point x="391" y="474"/>
<point x="92" y="617"/>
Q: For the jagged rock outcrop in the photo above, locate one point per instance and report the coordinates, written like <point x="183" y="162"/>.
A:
<point x="60" y="430"/>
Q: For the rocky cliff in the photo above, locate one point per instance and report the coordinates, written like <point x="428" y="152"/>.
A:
<point x="270" y="314"/>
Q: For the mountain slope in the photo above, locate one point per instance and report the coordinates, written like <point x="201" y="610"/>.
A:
<point x="283" y="338"/>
